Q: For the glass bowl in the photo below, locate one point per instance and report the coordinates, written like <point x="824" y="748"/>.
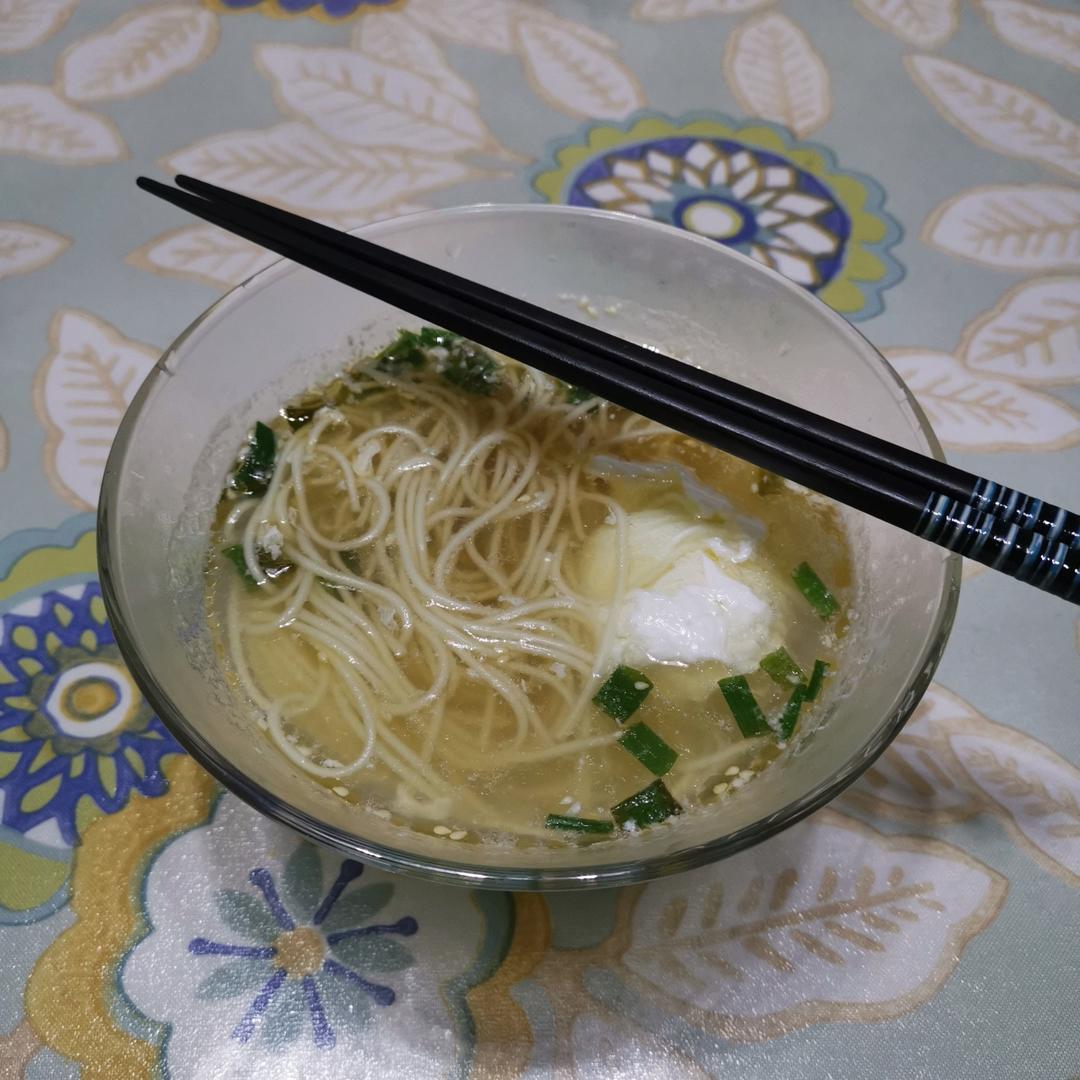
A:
<point x="287" y="327"/>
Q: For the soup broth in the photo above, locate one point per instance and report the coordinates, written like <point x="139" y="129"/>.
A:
<point x="466" y="596"/>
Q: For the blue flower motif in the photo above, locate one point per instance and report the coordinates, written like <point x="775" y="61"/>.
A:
<point x="747" y="185"/>
<point x="304" y="958"/>
<point x="334" y="9"/>
<point x="76" y="736"/>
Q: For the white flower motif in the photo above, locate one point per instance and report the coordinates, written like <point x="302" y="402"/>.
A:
<point x="279" y="947"/>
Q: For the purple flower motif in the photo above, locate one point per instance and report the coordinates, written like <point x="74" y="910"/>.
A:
<point x="305" y="955"/>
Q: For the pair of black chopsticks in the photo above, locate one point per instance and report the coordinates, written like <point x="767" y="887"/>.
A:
<point x="1012" y="532"/>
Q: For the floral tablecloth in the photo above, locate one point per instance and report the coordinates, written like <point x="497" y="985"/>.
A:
<point x="913" y="162"/>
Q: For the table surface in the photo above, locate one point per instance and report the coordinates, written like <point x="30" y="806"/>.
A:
<point x="924" y="925"/>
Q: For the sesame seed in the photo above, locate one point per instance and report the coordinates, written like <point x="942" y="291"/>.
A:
<point x="732" y="770"/>
<point x="746" y="774"/>
<point x="575" y="809"/>
<point x="641" y="686"/>
<point x="384" y="814"/>
<point x="441" y="830"/>
<point x="719" y="789"/>
<point x="339" y="790"/>
<point x="738" y="782"/>
<point x="458" y="834"/>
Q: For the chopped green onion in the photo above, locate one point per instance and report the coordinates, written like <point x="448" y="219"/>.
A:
<point x="815" y="590"/>
<point x="577" y="395"/>
<point x="273" y="569"/>
<point x="235" y="554"/>
<point x="621" y="696"/>
<point x="780" y="667"/>
<point x="650" y="805"/>
<point x="577" y="824"/>
<point x="431" y="337"/>
<point x="655" y="754"/>
<point x="471" y="368"/>
<point x="298" y="413"/>
<point x="790" y="716"/>
<point x="252" y="475"/>
<point x="744" y="706"/>
<point x="817" y="678"/>
<point x="405" y="351"/>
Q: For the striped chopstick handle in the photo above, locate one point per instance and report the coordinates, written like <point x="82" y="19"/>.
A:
<point x="1012" y="507"/>
<point x="1026" y="554"/>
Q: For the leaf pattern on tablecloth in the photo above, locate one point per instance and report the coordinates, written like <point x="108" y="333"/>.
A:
<point x="999" y="115"/>
<point x="202" y="253"/>
<point x="394" y="38"/>
<point x="951" y="763"/>
<point x="774" y="72"/>
<point x="213" y="257"/>
<point x="296" y="165"/>
<point x="831" y="921"/>
<point x="835" y="922"/>
<point x="1010" y="227"/>
<point x="25" y="247"/>
<point x="572" y="72"/>
<point x="1035" y="792"/>
<point x="27" y="23"/>
<point x="138" y="52"/>
<point x="81" y="391"/>
<point x="569" y="64"/>
<point x="483" y="24"/>
<point x="1046" y="32"/>
<point x="672" y="10"/>
<point x="364" y="102"/>
<point x="36" y="122"/>
<point x="1031" y="334"/>
<point x="917" y="778"/>
<point x="973" y="411"/>
<point x="926" y="23"/>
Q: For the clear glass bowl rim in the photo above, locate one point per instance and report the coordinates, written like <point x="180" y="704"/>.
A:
<point x="539" y="878"/>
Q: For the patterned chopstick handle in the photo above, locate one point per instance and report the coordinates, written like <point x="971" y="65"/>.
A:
<point x="1025" y="554"/>
<point x="1012" y="507"/>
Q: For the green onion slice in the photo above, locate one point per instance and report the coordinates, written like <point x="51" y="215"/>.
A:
<point x="273" y="569"/>
<point x="790" y="716"/>
<point x="578" y="824"/>
<point x="782" y="669"/>
<point x="471" y="368"/>
<point x="744" y="707"/>
<point x="235" y="554"/>
<point x="815" y="590"/>
<point x="817" y="678"/>
<point x="431" y="337"/>
<point x="649" y="806"/>
<point x="404" y="352"/>
<point x="300" y="412"/>
<point x="577" y="395"/>
<point x="623" y="692"/>
<point x="252" y="475"/>
<point x="655" y="754"/>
